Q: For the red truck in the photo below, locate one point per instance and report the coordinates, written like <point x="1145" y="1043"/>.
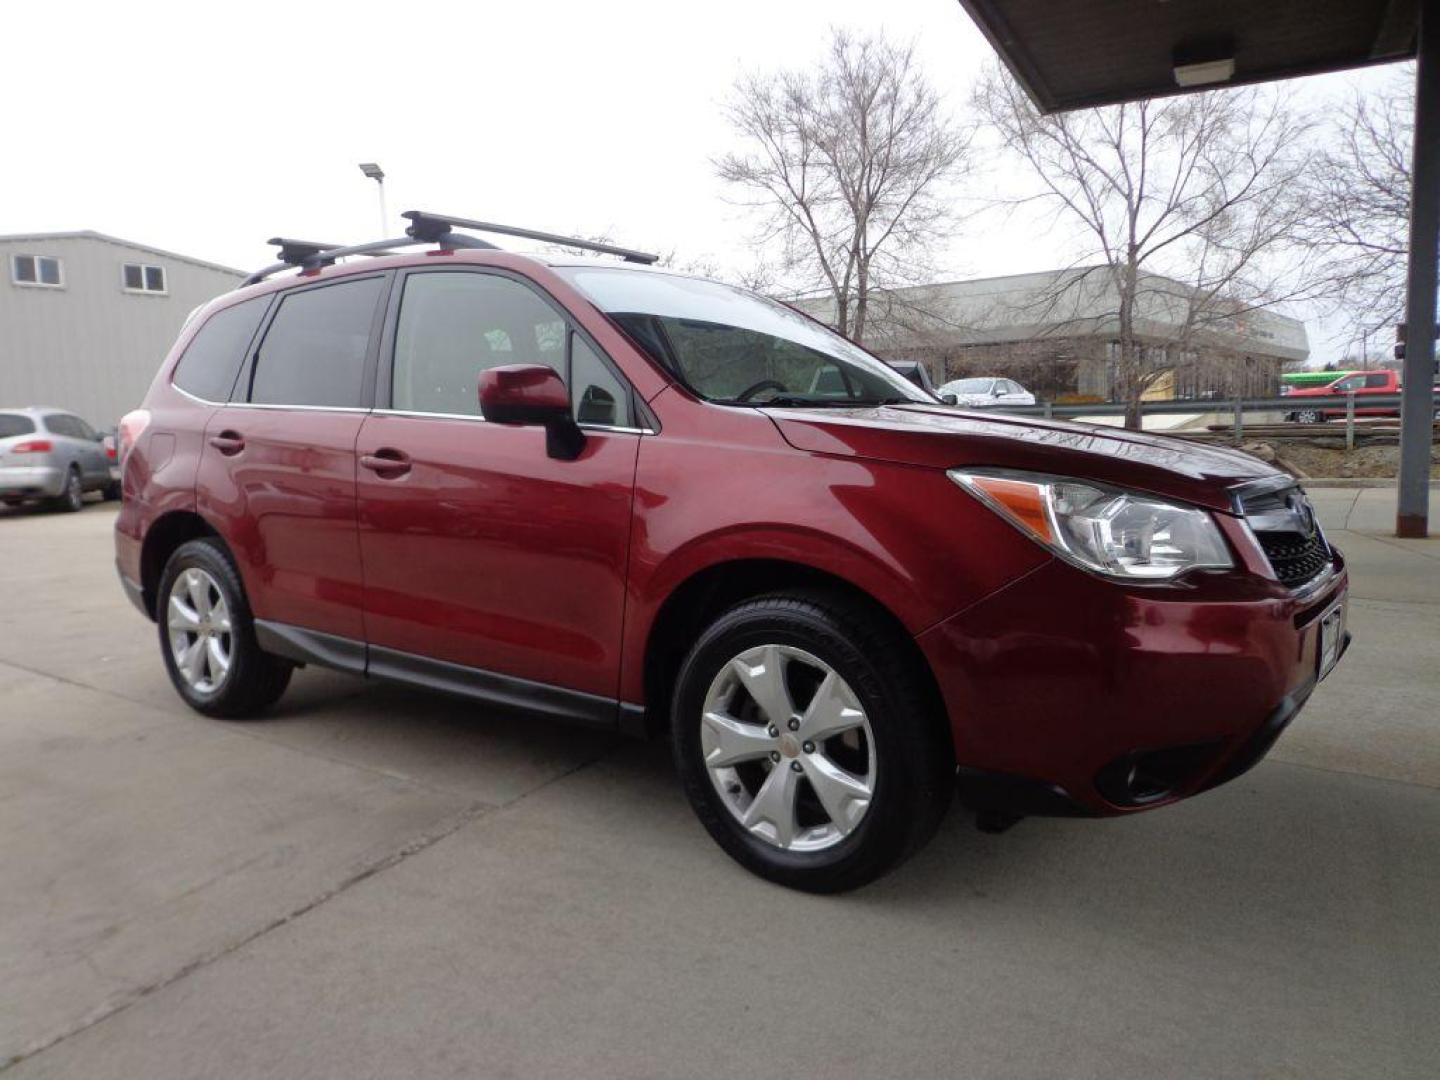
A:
<point x="1363" y="384"/>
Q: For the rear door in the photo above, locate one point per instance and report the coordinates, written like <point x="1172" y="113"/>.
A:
<point x="480" y="550"/>
<point x="278" y="467"/>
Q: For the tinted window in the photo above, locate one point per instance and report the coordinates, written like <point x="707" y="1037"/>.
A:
<point x="134" y="276"/>
<point x="215" y="354"/>
<point x="1378" y="379"/>
<point x="12" y="424"/>
<point x="1346" y="385"/>
<point x="59" y="425"/>
<point x="314" y="350"/>
<point x="597" y="395"/>
<point x="454" y="325"/>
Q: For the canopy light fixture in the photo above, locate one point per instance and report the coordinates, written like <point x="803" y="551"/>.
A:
<point x="1206" y="73"/>
<point x="374" y="172"/>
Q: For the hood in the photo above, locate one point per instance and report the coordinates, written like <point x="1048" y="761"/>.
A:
<point x="943" y="438"/>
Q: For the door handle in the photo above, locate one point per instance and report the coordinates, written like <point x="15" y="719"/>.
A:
<point x="386" y="463"/>
<point x="228" y="443"/>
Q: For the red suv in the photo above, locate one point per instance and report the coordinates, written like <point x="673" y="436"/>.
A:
<point x="628" y="498"/>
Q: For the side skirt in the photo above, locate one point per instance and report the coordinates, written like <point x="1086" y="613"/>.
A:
<point x="490" y="687"/>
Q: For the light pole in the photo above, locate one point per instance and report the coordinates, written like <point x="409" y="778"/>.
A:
<point x="374" y="172"/>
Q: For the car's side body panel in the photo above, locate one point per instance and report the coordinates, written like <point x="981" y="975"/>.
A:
<point x="488" y="553"/>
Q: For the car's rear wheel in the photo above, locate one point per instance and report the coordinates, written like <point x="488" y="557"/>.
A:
<point x="72" y="495"/>
<point x="807" y="744"/>
<point x="207" y="636"/>
<point x="1309" y="416"/>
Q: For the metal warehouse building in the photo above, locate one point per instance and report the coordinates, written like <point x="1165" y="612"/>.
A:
<point x="1057" y="332"/>
<point x="85" y="319"/>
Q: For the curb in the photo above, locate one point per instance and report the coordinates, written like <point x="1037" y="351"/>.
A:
<point x="1354" y="482"/>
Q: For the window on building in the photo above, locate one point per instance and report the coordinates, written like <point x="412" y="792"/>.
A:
<point x="215" y="353"/>
<point x="141" y="278"/>
<point x="314" y="351"/>
<point x="36" y="270"/>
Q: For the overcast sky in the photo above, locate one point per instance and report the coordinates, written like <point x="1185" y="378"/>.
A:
<point x="206" y="129"/>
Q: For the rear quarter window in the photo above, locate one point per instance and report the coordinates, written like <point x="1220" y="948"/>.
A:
<point x="215" y="353"/>
<point x="12" y="424"/>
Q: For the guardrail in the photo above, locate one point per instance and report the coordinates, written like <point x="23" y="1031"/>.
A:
<point x="1236" y="407"/>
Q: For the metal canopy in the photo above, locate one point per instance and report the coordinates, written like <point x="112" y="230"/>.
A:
<point x="1071" y="54"/>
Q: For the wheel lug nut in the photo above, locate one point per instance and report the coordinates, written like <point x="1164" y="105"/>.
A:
<point x="809" y="748"/>
<point x="775" y="756"/>
<point x="794" y="724"/>
<point x="774" y="731"/>
<point x="794" y="766"/>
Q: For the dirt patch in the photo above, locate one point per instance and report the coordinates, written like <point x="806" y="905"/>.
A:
<point x="1328" y="457"/>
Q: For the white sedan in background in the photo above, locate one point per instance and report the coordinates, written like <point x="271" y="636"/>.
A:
<point x="986" y="393"/>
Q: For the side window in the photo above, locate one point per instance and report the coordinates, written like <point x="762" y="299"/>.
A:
<point x="1344" y="386"/>
<point x="1379" y="379"/>
<point x="215" y="353"/>
<point x="59" y="424"/>
<point x="597" y="395"/>
<point x="314" y="350"/>
<point x="454" y="325"/>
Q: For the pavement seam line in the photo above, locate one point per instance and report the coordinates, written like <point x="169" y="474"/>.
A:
<point x="133" y="997"/>
<point x="472" y="813"/>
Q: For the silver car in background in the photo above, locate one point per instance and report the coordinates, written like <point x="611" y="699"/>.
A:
<point x="51" y="455"/>
<point x="987" y="393"/>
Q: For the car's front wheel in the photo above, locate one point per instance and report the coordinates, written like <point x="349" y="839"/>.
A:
<point x="1309" y="416"/>
<point x="807" y="743"/>
<point x="208" y="637"/>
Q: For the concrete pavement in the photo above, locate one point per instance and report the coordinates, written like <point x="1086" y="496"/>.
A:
<point x="380" y="883"/>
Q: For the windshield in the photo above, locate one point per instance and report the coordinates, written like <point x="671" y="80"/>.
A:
<point x="734" y="347"/>
<point x="971" y="386"/>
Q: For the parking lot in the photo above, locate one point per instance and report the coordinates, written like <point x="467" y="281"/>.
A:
<point x="373" y="882"/>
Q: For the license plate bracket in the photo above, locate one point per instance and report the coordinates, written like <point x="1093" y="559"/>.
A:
<point x="1330" y="638"/>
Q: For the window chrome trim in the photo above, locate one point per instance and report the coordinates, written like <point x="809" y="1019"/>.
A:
<point x="617" y="429"/>
<point x="266" y="405"/>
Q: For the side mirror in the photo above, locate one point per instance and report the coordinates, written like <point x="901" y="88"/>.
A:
<point x="532" y="394"/>
<point x="995" y="391"/>
<point x="950" y="399"/>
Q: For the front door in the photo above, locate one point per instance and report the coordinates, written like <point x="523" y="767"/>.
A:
<point x="478" y="548"/>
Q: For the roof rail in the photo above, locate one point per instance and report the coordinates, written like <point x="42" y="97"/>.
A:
<point x="311" y="255"/>
<point x="427" y="226"/>
<point x="424" y="228"/>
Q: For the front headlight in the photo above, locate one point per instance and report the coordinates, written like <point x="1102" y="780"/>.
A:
<point x="1119" y="533"/>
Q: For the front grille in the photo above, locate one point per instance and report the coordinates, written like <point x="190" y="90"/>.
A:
<point x="1284" y="522"/>
<point x="1295" y="559"/>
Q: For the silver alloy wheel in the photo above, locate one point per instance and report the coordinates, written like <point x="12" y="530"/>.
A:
<point x="799" y="775"/>
<point x="74" y="490"/>
<point x="200" y="636"/>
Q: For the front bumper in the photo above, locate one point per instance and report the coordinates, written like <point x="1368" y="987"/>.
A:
<point x="32" y="481"/>
<point x="1071" y="695"/>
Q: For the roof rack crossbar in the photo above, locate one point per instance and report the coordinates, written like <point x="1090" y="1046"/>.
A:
<point x="425" y="225"/>
<point x="424" y="228"/>
<point x="311" y="255"/>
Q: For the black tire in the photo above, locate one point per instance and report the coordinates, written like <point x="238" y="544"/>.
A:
<point x="255" y="679"/>
<point x="914" y="762"/>
<point x="111" y="491"/>
<point x="72" y="498"/>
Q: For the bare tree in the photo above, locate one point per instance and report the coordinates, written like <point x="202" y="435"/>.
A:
<point x="1184" y="203"/>
<point x="850" y="166"/>
<point x="1358" y="189"/>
